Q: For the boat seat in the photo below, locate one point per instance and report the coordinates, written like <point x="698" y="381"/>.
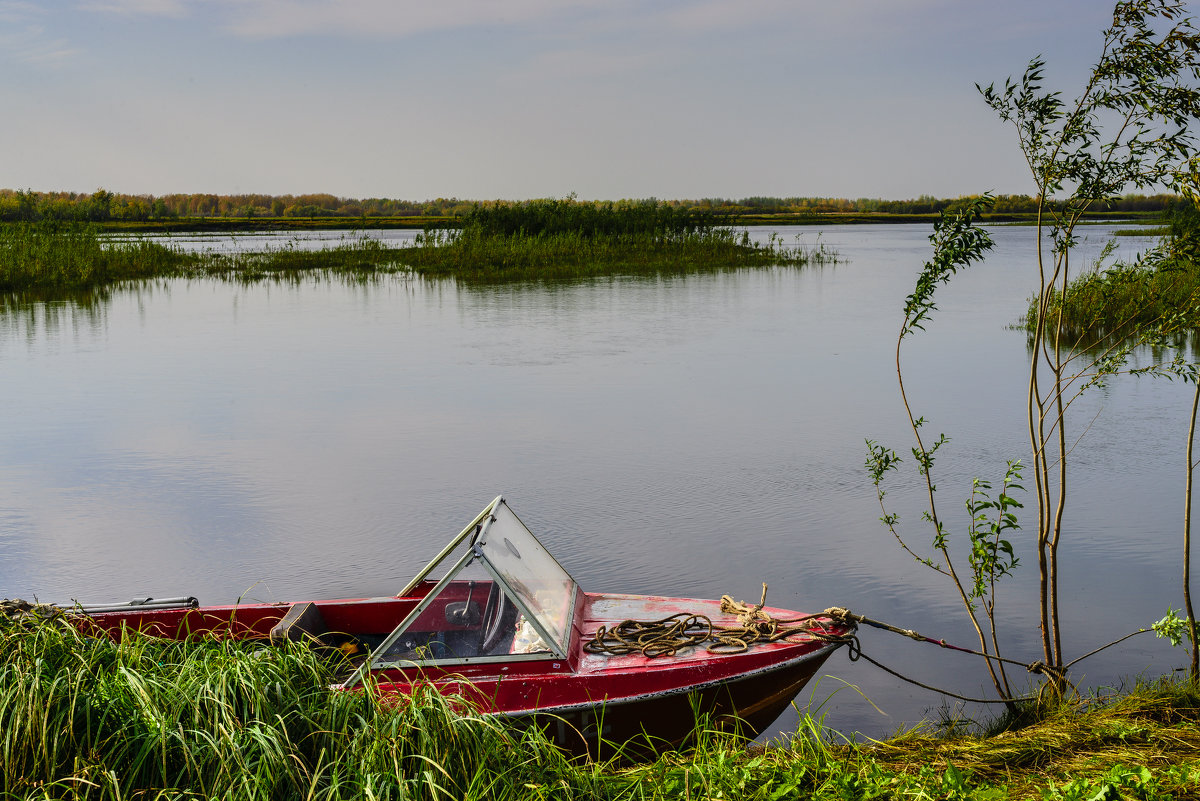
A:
<point x="301" y="621"/>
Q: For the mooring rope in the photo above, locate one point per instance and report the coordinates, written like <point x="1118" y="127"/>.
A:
<point x="18" y="609"/>
<point x="668" y="635"/>
<point x="1037" y="666"/>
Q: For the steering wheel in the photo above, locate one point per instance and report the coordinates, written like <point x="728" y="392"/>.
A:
<point x="492" y="628"/>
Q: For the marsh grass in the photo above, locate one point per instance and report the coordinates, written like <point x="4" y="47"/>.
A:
<point x="74" y="256"/>
<point x="1116" y="303"/>
<point x="551" y="241"/>
<point x="1160" y="230"/>
<point x="474" y="256"/>
<point x="355" y="256"/>
<point x="557" y="239"/>
<point x="88" y="718"/>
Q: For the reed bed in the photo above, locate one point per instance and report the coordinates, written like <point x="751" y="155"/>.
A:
<point x="356" y="256"/>
<point x="1118" y="302"/>
<point x="88" y="718"/>
<point x="73" y="256"/>
<point x="539" y="240"/>
<point x="588" y="220"/>
<point x="474" y="256"/>
<point x="562" y="239"/>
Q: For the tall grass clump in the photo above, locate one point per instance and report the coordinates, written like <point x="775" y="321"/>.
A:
<point x="556" y="239"/>
<point x="51" y="255"/>
<point x="85" y="717"/>
<point x="1120" y="301"/>
<point x="588" y="220"/>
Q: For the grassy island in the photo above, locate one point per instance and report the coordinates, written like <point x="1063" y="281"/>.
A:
<point x="549" y="239"/>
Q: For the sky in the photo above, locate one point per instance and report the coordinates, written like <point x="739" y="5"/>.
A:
<point x="486" y="99"/>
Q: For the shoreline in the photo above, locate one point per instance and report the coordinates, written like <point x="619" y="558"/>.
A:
<point x="248" y="224"/>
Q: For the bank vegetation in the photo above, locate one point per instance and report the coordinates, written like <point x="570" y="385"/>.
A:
<point x="88" y="718"/>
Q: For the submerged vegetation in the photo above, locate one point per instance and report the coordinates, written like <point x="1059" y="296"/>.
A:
<point x="537" y="240"/>
<point x="86" y="718"/>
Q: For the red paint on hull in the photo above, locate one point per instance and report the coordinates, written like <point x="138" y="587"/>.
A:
<point x="593" y="698"/>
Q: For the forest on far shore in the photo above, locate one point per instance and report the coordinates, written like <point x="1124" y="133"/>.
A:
<point x="104" y="206"/>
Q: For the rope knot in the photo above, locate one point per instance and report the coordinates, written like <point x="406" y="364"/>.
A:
<point x="750" y="617"/>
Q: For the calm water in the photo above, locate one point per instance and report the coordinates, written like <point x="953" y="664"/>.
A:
<point x="684" y="436"/>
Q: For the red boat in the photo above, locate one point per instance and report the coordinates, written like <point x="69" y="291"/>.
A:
<point x="496" y="619"/>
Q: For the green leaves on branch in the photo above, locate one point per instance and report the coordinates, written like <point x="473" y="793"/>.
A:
<point x="956" y="244"/>
<point x="991" y="555"/>
<point x="1140" y="92"/>
<point x="1172" y="627"/>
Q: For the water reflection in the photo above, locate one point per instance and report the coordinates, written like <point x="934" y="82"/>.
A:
<point x="32" y="317"/>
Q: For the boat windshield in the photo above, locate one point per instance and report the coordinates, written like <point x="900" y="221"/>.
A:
<point x="533" y="575"/>
<point x="503" y="596"/>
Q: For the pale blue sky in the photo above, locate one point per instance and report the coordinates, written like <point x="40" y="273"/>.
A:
<point x="525" y="98"/>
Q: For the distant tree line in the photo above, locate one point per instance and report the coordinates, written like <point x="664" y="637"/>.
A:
<point x="104" y="206"/>
<point x="925" y="204"/>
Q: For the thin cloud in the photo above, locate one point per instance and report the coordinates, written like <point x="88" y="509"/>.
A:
<point x="13" y="11"/>
<point x="154" y="8"/>
<point x="267" y="19"/>
<point x="25" y="40"/>
<point x="56" y="53"/>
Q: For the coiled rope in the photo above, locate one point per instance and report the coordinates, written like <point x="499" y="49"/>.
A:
<point x="669" y="635"/>
<point x="18" y="609"/>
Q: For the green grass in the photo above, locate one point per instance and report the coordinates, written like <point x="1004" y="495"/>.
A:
<point x="1161" y="292"/>
<point x="556" y="239"/>
<point x="51" y="256"/>
<point x="87" y="718"/>
<point x="84" y="718"/>
<point x="1119" y="302"/>
<point x="50" y="260"/>
<point x="476" y="257"/>
<point x="1149" y="230"/>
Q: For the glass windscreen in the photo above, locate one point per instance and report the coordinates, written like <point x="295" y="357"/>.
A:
<point x="503" y="596"/>
<point x="472" y="616"/>
<point x="530" y="571"/>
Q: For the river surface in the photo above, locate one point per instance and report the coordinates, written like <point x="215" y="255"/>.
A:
<point x="689" y="436"/>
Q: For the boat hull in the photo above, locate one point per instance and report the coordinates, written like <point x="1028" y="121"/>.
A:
<point x="670" y="719"/>
<point x="593" y="703"/>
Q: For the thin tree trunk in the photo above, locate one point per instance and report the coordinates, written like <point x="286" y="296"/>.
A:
<point x="1037" y="441"/>
<point x="1194" y="671"/>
